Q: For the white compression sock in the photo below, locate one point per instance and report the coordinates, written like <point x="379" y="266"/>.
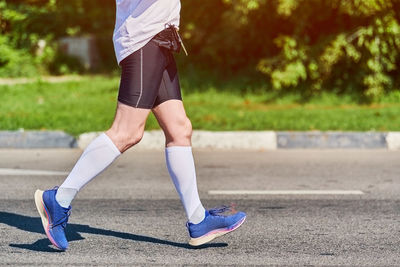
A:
<point x="99" y="154"/>
<point x="64" y="196"/>
<point x="181" y="167"/>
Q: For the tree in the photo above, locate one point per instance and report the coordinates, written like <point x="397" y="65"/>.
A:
<point x="312" y="45"/>
<point x="337" y="43"/>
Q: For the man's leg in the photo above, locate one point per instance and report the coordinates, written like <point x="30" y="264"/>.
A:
<point x="141" y="75"/>
<point x="179" y="158"/>
<point x="54" y="205"/>
<point x="126" y="131"/>
<point x="203" y="225"/>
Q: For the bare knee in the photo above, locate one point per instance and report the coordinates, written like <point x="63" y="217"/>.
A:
<point x="187" y="129"/>
<point x="129" y="140"/>
<point x="124" y="140"/>
<point x="128" y="126"/>
<point x="181" y="133"/>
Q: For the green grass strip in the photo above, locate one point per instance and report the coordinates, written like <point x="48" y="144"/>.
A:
<point x="89" y="105"/>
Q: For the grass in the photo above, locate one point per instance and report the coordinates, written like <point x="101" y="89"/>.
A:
<point x="89" y="105"/>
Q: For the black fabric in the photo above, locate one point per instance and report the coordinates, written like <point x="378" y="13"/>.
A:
<point x="149" y="77"/>
<point x="169" y="38"/>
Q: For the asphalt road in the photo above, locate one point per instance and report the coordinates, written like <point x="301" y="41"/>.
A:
<point x="131" y="215"/>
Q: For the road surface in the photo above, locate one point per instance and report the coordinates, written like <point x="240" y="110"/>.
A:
<point x="131" y="215"/>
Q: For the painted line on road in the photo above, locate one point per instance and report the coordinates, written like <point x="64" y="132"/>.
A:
<point x="285" y="192"/>
<point x="4" y="171"/>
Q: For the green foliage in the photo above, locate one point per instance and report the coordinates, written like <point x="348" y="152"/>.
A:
<point x="61" y="64"/>
<point x="26" y="23"/>
<point x="346" y="46"/>
<point x="368" y="47"/>
<point x="13" y="62"/>
<point x="342" y="45"/>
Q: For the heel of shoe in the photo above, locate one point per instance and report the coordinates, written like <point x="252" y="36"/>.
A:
<point x="214" y="234"/>
<point x="40" y="207"/>
<point x="202" y="240"/>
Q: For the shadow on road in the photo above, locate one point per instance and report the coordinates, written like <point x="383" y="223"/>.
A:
<point x="34" y="225"/>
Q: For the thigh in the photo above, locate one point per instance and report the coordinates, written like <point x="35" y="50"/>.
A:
<point x="141" y="76"/>
<point x="128" y="119"/>
<point x="169" y="88"/>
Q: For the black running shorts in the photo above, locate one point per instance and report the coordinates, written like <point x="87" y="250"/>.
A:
<point x="149" y="77"/>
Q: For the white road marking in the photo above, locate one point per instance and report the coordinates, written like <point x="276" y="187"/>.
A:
<point x="285" y="192"/>
<point x="29" y="172"/>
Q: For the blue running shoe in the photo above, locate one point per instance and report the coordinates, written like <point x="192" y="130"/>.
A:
<point x="215" y="224"/>
<point x="54" y="217"/>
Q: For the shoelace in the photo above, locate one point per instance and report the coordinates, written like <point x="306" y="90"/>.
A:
<point x="63" y="221"/>
<point x="219" y="210"/>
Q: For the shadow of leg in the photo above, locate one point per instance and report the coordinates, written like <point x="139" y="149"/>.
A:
<point x="42" y="245"/>
<point x="140" y="238"/>
<point x="34" y="225"/>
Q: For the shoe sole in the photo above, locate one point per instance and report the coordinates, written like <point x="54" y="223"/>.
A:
<point x="44" y="216"/>
<point x="198" y="241"/>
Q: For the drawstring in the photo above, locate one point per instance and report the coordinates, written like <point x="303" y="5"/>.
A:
<point x="177" y="36"/>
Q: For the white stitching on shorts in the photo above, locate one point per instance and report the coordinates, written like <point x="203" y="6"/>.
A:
<point x="141" y="76"/>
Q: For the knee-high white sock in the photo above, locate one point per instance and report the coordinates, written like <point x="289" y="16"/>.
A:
<point x="99" y="154"/>
<point x="181" y="167"/>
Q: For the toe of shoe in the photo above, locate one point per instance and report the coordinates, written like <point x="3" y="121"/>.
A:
<point x="60" y="241"/>
<point x="61" y="244"/>
<point x="239" y="216"/>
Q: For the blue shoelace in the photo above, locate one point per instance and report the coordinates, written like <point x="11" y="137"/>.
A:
<point x="63" y="221"/>
<point x="219" y="210"/>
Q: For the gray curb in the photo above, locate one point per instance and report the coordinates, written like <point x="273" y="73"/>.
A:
<point x="263" y="140"/>
<point x="255" y="140"/>
<point x="36" y="139"/>
<point x="321" y="140"/>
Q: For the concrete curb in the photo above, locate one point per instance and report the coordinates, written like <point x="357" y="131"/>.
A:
<point x="264" y="140"/>
<point x="321" y="140"/>
<point x="256" y="140"/>
<point x="36" y="139"/>
<point x="393" y="140"/>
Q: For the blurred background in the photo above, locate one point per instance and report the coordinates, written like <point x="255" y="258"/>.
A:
<point x="281" y="64"/>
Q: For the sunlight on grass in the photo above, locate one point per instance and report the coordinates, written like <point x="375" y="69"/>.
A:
<point x="89" y="105"/>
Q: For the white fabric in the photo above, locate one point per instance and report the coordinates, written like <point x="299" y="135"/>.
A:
<point x="99" y="154"/>
<point x="181" y="168"/>
<point x="65" y="196"/>
<point x="137" y="21"/>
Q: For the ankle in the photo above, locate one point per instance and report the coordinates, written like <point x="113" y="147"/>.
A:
<point x="198" y="215"/>
<point x="64" y="196"/>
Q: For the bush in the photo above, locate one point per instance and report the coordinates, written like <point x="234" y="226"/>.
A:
<point x="62" y="64"/>
<point x="14" y="62"/>
<point x="24" y="23"/>
<point x="344" y="45"/>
